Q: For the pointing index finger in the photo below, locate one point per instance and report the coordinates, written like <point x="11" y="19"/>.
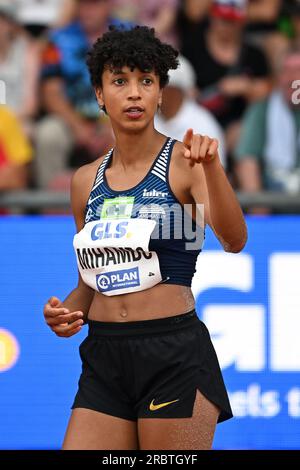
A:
<point x="188" y="137"/>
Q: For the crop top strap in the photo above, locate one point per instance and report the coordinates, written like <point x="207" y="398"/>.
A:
<point x="101" y="169"/>
<point x="160" y="168"/>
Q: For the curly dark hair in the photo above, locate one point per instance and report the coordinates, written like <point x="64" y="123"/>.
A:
<point x="137" y="47"/>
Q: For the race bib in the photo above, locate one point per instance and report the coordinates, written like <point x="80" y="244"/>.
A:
<point x="113" y="254"/>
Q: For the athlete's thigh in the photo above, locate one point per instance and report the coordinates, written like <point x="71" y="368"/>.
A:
<point x="194" y="433"/>
<point x="91" y="430"/>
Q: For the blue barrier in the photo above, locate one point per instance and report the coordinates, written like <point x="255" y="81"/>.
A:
<point x="250" y="303"/>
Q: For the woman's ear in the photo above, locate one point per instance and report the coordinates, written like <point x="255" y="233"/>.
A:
<point x="99" y="96"/>
<point x="160" y="96"/>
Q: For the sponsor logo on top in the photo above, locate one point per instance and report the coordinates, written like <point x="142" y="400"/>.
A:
<point x="155" y="194"/>
<point x="153" y="211"/>
<point x="117" y="208"/>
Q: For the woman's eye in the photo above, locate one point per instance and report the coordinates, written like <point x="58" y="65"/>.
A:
<point x="147" y="81"/>
<point x="119" y="81"/>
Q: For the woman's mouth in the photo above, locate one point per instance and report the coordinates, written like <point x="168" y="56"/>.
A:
<point x="134" y="112"/>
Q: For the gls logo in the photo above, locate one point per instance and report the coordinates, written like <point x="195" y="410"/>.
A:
<point x="104" y="230"/>
<point x="239" y="330"/>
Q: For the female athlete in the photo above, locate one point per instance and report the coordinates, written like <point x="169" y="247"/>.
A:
<point x="150" y="376"/>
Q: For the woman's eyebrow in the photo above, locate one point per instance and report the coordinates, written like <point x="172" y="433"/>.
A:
<point x="121" y="72"/>
<point x="118" y="72"/>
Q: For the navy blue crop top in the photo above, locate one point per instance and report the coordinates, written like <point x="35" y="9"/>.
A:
<point x="176" y="239"/>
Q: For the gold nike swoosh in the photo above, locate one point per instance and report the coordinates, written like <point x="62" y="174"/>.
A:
<point x="161" y="405"/>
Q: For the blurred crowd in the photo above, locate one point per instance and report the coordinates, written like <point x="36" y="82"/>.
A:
<point x="238" y="80"/>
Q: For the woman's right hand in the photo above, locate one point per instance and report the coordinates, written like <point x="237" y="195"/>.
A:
<point x="63" y="322"/>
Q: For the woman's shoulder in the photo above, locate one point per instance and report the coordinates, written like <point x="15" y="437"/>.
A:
<point x="82" y="181"/>
<point x="87" y="171"/>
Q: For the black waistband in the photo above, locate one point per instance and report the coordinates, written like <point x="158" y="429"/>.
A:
<point x="157" y="325"/>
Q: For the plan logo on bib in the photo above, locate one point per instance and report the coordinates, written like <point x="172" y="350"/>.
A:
<point x="118" y="280"/>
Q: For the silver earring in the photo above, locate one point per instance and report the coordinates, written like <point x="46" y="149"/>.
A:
<point x="159" y="108"/>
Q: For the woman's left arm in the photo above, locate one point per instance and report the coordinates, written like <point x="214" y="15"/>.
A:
<point x="211" y="187"/>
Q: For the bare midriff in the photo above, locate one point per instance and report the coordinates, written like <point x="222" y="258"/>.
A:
<point x="158" y="302"/>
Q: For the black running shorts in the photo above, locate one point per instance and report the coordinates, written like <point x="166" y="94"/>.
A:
<point x="150" y="368"/>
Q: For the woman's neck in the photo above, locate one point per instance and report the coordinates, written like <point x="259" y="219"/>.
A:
<point x="132" y="148"/>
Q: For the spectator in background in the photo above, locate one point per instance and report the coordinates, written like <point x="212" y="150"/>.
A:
<point x="19" y="66"/>
<point x="157" y="14"/>
<point x="179" y="111"/>
<point x="263" y="27"/>
<point x="192" y="14"/>
<point x="38" y="15"/>
<point x="293" y="10"/>
<point x="15" y="153"/>
<point x="268" y="153"/>
<point x="262" y="15"/>
<point x="230" y="73"/>
<point x="69" y="98"/>
<point x="191" y="21"/>
<point x="196" y="11"/>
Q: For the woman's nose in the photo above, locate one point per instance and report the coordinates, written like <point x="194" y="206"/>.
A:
<point x="134" y="92"/>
